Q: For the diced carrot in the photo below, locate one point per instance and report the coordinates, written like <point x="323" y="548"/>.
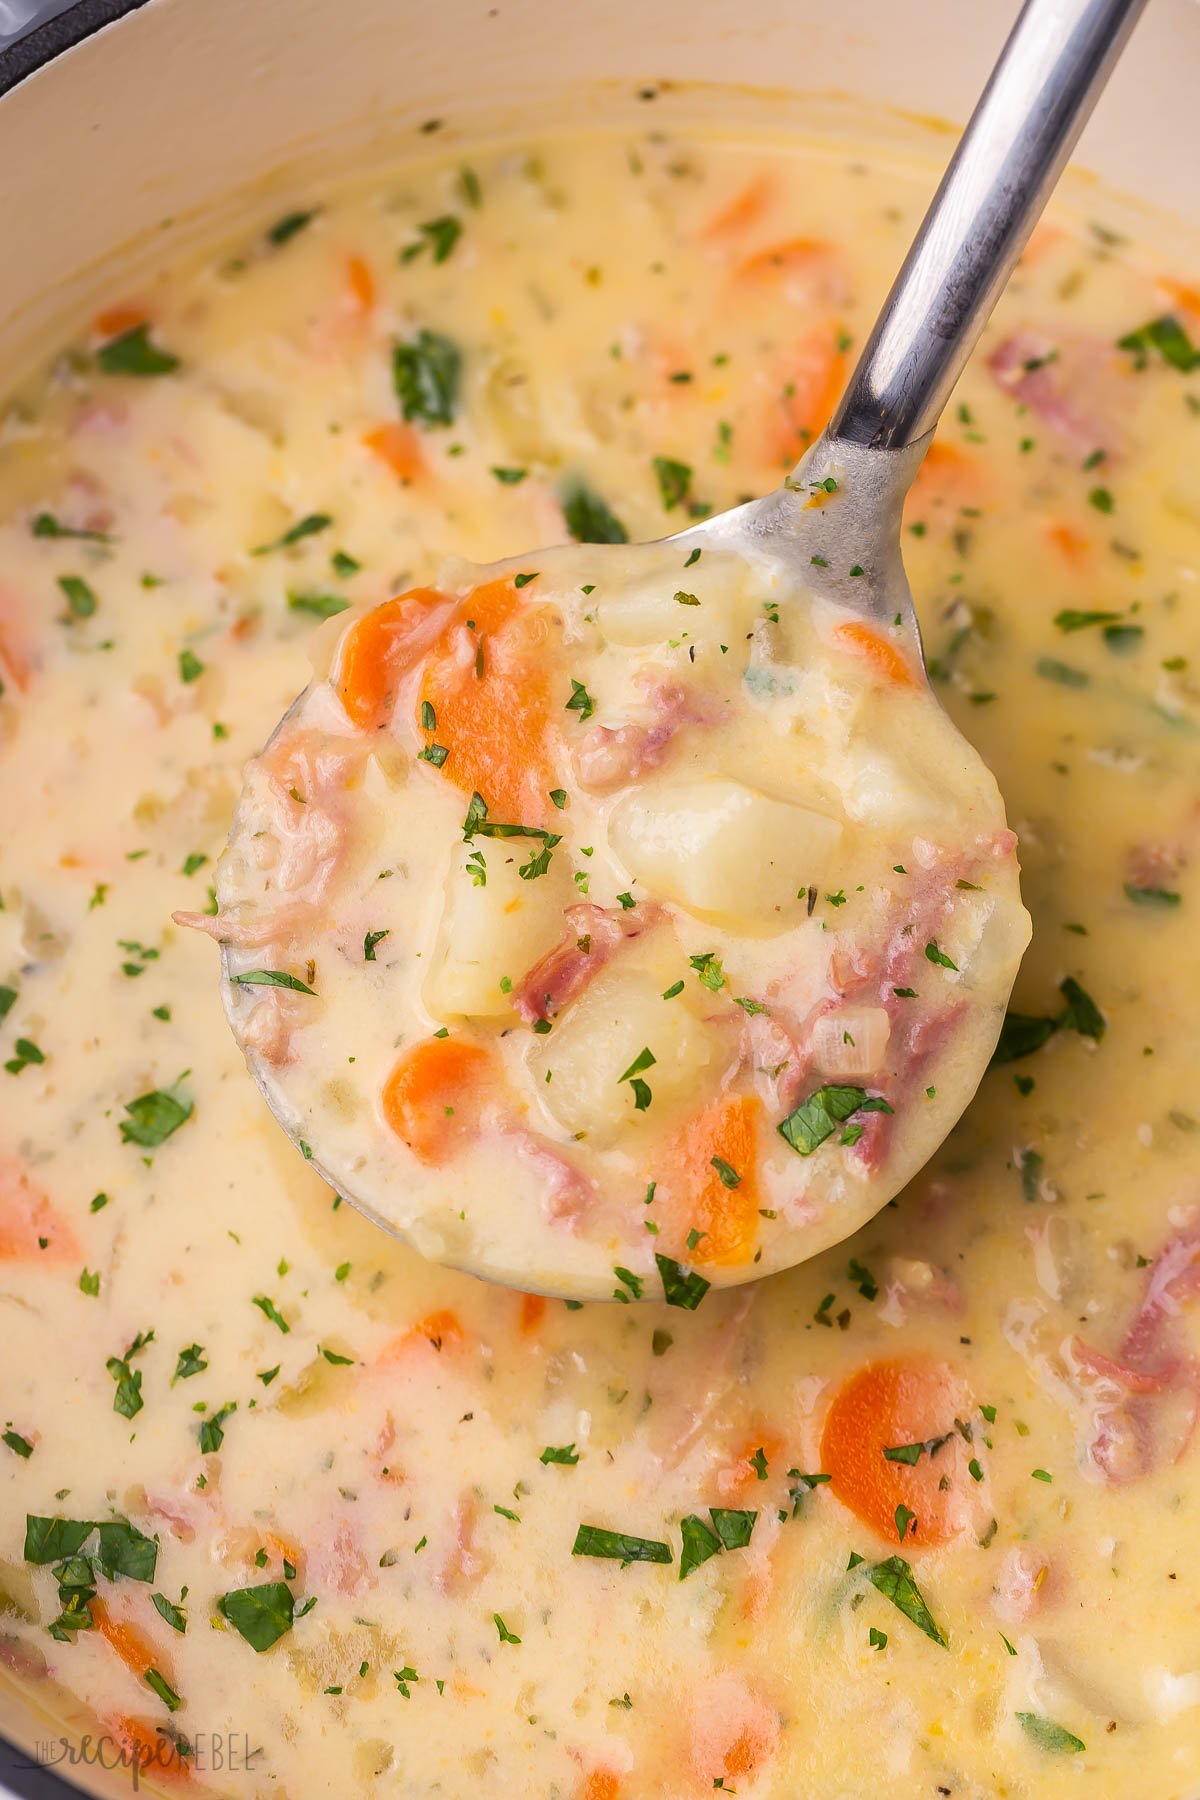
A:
<point x="146" y="1750"/>
<point x="282" y="1549"/>
<point x="1072" y="545"/>
<point x="15" y="664"/>
<point x="488" y="680"/>
<point x="361" y="283"/>
<point x="601" y="1784"/>
<point x="116" y="320"/>
<point x="949" y="476"/>
<point x="1184" y="293"/>
<point x="733" y="1730"/>
<point x="441" y="1330"/>
<point x="745" y="209"/>
<point x="887" y="1405"/>
<point x="722" y="1202"/>
<point x="1042" y="240"/>
<point x="789" y="258"/>
<point x="398" y="447"/>
<point x="432" y="1097"/>
<point x="134" y="1650"/>
<point x="883" y="656"/>
<point x="810" y="381"/>
<point x="760" y="1450"/>
<point x="381" y="648"/>
<point x="30" y="1226"/>
<point x="533" y="1311"/>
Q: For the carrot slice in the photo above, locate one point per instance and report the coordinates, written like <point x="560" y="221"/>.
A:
<point x="720" y="1202"/>
<point x="378" y="651"/>
<point x="1072" y="545"/>
<point x="601" y="1784"/>
<point x="786" y="259"/>
<point x="134" y="1650"/>
<point x="810" y="384"/>
<point x="398" y="447"/>
<point x="361" y="283"/>
<point x="145" y="1749"/>
<point x="488" y="682"/>
<point x="432" y="1097"/>
<point x="533" y="1311"/>
<point x="115" y="320"/>
<point x="745" y="209"/>
<point x="441" y="1330"/>
<point x="883" y="656"/>
<point x="1184" y="293"/>
<point x="888" y="1405"/>
<point x="30" y="1226"/>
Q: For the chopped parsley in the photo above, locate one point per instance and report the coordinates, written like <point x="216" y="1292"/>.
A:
<point x="153" y="1117"/>
<point x="262" y="1614"/>
<point x="308" y="526"/>
<point x="674" y="480"/>
<point x="682" y="1288"/>
<point x="817" y="1118"/>
<point x="426" y="371"/>
<point x="619" y="1546"/>
<point x="277" y="978"/>
<point x="132" y="353"/>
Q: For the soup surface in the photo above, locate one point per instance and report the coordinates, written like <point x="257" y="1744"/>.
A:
<point x="915" y="1517"/>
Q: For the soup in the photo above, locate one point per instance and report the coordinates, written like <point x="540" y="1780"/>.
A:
<point x="270" y="1475"/>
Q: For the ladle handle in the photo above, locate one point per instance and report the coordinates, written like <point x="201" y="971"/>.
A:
<point x="1052" y="69"/>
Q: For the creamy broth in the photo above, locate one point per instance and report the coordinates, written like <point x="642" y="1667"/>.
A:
<point x="438" y="1538"/>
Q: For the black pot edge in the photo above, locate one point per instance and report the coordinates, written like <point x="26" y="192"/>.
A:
<point x="47" y="41"/>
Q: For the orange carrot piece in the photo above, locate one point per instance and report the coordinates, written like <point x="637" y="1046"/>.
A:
<point x="883" y="657"/>
<point x="30" y="1227"/>
<point x="441" y="1330"/>
<point x="601" y="1784"/>
<point x="886" y="1405"/>
<point x="431" y="1098"/>
<point x="145" y="1749"/>
<point x="745" y="209"/>
<point x="398" y="448"/>
<point x="533" y="1311"/>
<point x="811" y="380"/>
<point x="380" y="649"/>
<point x="488" y="681"/>
<point x="1072" y="545"/>
<point x="785" y="259"/>
<point x="135" y="1650"/>
<point x="701" y="1199"/>
<point x="1184" y="293"/>
<point x="741" y="1476"/>
<point x="361" y="283"/>
<point x="115" y="320"/>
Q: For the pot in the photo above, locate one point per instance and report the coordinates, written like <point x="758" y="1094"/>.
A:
<point x="129" y="128"/>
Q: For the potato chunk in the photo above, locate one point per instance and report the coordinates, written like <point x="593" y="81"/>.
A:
<point x="578" y="1067"/>
<point x="494" y="931"/>
<point x="851" y="1041"/>
<point x="722" y="850"/>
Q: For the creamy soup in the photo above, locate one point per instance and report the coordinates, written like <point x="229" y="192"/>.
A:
<point x="915" y="1517"/>
<point x="657" y="1028"/>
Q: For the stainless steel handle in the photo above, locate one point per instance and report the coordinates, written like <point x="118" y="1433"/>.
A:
<point x="1049" y="76"/>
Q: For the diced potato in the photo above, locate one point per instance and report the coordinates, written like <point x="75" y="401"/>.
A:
<point x="619" y="1015"/>
<point x="495" y="931"/>
<point x="721" y="849"/>
<point x="644" y="610"/>
<point x="852" y="1041"/>
<point x="986" y="935"/>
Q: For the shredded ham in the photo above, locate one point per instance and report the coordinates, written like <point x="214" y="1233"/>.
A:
<point x="463" y="1565"/>
<point x="612" y="756"/>
<point x="1061" y="384"/>
<point x="303" y="778"/>
<point x="594" y="933"/>
<point x="1146" y="1398"/>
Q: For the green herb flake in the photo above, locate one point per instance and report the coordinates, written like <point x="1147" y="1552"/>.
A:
<point x="559" y="1453"/>
<point x="699" y="1543"/>
<point x="308" y="526"/>
<point x="426" y="371"/>
<point x="277" y="978"/>
<point x="619" y="1546"/>
<point x="153" y="1117"/>
<point x="132" y="353"/>
<point x="674" y="480"/>
<point x="81" y="599"/>
<point x="270" y="1311"/>
<point x="262" y="1614"/>
<point x="894" y="1580"/>
<point x="318" y="606"/>
<point x="682" y="1288"/>
<point x="1047" y="1735"/>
